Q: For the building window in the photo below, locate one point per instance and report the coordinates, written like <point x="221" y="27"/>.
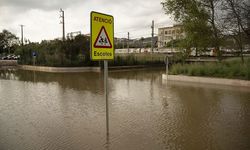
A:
<point x="169" y="38"/>
<point x="177" y="31"/>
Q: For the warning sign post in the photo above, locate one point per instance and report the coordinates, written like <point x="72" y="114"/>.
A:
<point x="102" y="36"/>
<point x="102" y="47"/>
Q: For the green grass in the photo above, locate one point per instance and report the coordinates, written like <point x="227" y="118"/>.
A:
<point x="137" y="59"/>
<point x="231" y="68"/>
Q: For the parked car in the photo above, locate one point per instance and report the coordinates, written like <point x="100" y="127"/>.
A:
<point x="10" y="57"/>
<point x="4" y="58"/>
<point x="17" y="57"/>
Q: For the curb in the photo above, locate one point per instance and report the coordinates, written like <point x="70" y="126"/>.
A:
<point x="207" y="80"/>
<point x="59" y="69"/>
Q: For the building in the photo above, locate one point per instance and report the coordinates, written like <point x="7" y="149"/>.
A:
<point x="166" y="34"/>
<point x="135" y="43"/>
<point x="72" y="35"/>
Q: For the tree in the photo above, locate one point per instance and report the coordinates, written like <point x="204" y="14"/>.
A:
<point x="239" y="11"/>
<point x="199" y="21"/>
<point x="71" y="52"/>
<point x="8" y="41"/>
<point x="236" y="21"/>
<point x="141" y="43"/>
<point x="212" y="7"/>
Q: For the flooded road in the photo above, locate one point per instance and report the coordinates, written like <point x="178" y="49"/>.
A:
<point x="62" y="111"/>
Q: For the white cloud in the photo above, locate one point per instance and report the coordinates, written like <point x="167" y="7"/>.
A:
<point x="41" y="18"/>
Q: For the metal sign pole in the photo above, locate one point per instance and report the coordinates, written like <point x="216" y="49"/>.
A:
<point x="34" y="60"/>
<point x="167" y="65"/>
<point x="106" y="93"/>
<point x="166" y="62"/>
<point x="102" y="47"/>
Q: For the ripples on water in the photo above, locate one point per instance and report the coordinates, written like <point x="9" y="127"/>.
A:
<point x="67" y="111"/>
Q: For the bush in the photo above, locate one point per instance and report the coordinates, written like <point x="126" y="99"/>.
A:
<point x="76" y="52"/>
<point x="137" y="59"/>
<point x="232" y="68"/>
<point x="57" y="53"/>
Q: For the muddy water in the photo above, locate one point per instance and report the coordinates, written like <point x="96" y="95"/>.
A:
<point x="67" y="111"/>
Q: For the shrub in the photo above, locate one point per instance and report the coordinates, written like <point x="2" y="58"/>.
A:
<point x="231" y="68"/>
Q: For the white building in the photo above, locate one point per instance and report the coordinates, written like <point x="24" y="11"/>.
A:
<point x="166" y="34"/>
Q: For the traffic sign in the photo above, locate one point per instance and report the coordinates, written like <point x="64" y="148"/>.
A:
<point x="102" y="36"/>
<point x="34" y="54"/>
<point x="102" y="40"/>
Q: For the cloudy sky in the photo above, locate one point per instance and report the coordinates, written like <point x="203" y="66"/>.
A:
<point x="41" y="17"/>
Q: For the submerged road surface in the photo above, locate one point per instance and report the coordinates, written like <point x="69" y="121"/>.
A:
<point x="62" y="111"/>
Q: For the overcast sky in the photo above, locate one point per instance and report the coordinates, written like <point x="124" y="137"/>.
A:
<point x="41" y="17"/>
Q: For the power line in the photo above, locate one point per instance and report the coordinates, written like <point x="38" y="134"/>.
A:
<point x="123" y="34"/>
<point x="141" y="35"/>
<point x="136" y="33"/>
<point x="132" y="29"/>
<point x="135" y="30"/>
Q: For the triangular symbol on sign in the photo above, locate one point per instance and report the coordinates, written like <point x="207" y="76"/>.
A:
<point x="102" y="40"/>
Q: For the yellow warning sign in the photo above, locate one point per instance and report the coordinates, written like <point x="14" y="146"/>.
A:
<point x="102" y="36"/>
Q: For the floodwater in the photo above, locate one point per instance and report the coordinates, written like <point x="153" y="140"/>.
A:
<point x="66" y="111"/>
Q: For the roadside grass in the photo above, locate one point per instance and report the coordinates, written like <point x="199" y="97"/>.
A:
<point x="230" y="68"/>
<point x="137" y="59"/>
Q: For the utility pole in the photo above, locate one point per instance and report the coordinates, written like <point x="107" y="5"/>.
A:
<point x="62" y="22"/>
<point x="172" y="44"/>
<point x="128" y="42"/>
<point x="123" y="43"/>
<point x="152" y="39"/>
<point x="22" y="33"/>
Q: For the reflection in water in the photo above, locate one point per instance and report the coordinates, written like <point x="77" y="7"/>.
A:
<point x="76" y="81"/>
<point x="67" y="111"/>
